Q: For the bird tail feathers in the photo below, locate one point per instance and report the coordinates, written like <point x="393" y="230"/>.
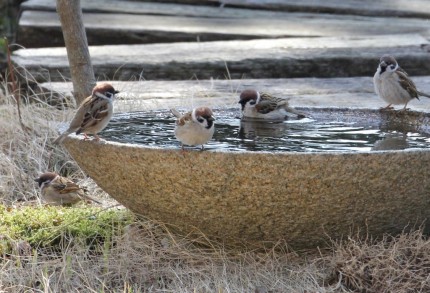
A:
<point x="300" y="114"/>
<point x="92" y="199"/>
<point x="60" y="139"/>
<point x="175" y="113"/>
<point x="424" y="94"/>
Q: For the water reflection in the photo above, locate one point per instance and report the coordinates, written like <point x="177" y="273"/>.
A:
<point x="327" y="131"/>
<point x="392" y="141"/>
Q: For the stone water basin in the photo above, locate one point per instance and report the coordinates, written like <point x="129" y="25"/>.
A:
<point x="260" y="197"/>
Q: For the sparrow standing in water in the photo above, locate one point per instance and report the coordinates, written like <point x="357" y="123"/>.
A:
<point x="265" y="106"/>
<point x="195" y="127"/>
<point x="93" y="114"/>
<point x="57" y="190"/>
<point x="393" y="85"/>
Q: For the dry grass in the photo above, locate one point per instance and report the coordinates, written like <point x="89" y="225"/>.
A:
<point x="394" y="264"/>
<point x="146" y="257"/>
<point x="26" y="152"/>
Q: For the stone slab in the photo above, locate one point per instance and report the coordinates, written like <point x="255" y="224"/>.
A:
<point x="356" y="92"/>
<point x="267" y="58"/>
<point x="402" y="8"/>
<point x="122" y="28"/>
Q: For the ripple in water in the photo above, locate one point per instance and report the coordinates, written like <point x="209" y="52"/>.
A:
<point x="325" y="131"/>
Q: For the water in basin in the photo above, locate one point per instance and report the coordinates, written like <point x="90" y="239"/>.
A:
<point x="326" y="130"/>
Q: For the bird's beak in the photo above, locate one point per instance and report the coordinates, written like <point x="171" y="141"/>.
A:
<point x="212" y="118"/>
<point x="117" y="92"/>
<point x="38" y="181"/>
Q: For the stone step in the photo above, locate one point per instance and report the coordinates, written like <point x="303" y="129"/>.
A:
<point x="355" y="92"/>
<point x="401" y="8"/>
<point x="267" y="58"/>
<point x="140" y="23"/>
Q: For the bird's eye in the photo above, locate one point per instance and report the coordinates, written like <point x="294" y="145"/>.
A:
<point x="108" y="94"/>
<point x="201" y="120"/>
<point x="252" y="102"/>
<point x="392" y="66"/>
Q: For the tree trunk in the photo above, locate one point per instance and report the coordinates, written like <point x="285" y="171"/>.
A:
<point x="75" y="38"/>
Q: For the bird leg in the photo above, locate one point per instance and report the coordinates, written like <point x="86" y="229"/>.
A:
<point x="404" y="108"/>
<point x="183" y="150"/>
<point x="388" y="107"/>
<point x="86" y="136"/>
<point x="96" y="137"/>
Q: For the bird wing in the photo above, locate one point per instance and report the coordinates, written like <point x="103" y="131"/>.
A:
<point x="269" y="103"/>
<point x="64" y="185"/>
<point x="407" y="83"/>
<point x="175" y="113"/>
<point x="186" y="118"/>
<point x="95" y="109"/>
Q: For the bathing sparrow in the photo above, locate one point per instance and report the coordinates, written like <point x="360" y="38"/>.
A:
<point x="265" y="106"/>
<point x="58" y="190"/>
<point x="195" y="127"/>
<point x="93" y="114"/>
<point x="393" y="85"/>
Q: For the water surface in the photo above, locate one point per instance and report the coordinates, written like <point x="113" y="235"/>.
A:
<point x="323" y="131"/>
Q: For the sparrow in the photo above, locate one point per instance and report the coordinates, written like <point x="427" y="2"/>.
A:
<point x="58" y="190"/>
<point x="393" y="85"/>
<point x="265" y="106"/>
<point x="195" y="127"/>
<point x="93" y="113"/>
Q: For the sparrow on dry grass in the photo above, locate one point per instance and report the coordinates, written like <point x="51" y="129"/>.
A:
<point x="195" y="127"/>
<point x="93" y="114"/>
<point x="58" y="190"/>
<point x="393" y="85"/>
<point x="258" y="105"/>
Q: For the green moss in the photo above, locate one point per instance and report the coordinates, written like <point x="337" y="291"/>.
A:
<point x="51" y="226"/>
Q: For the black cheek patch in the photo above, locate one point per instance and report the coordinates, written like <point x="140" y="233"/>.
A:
<point x="210" y="123"/>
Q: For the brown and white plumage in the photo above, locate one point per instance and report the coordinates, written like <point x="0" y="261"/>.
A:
<point x="393" y="84"/>
<point x="93" y="114"/>
<point x="58" y="190"/>
<point x="258" y="105"/>
<point x="195" y="127"/>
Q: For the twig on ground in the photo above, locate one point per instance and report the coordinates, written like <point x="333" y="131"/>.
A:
<point x="14" y="87"/>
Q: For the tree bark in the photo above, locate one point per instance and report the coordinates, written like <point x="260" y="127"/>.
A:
<point x="75" y="38"/>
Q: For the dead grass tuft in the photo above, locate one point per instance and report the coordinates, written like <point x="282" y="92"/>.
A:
<point x="394" y="264"/>
<point x="27" y="152"/>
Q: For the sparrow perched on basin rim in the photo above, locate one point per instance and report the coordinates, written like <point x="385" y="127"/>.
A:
<point x="195" y="127"/>
<point x="393" y="85"/>
<point x="58" y="190"/>
<point x="265" y="106"/>
<point x="93" y="114"/>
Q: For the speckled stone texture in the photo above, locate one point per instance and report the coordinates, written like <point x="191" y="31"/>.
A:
<point x="259" y="198"/>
